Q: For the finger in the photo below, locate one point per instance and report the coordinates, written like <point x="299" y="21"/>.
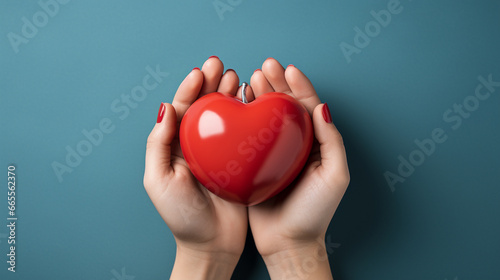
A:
<point x="259" y="83"/>
<point x="333" y="166"/>
<point x="302" y="88"/>
<point x="212" y="72"/>
<point x="158" y="148"/>
<point x="248" y="93"/>
<point x="187" y="92"/>
<point x="229" y="82"/>
<point x="275" y="74"/>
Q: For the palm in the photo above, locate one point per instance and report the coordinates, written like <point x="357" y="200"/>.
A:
<point x="296" y="213"/>
<point x="200" y="211"/>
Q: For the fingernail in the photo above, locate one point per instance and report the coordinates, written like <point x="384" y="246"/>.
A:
<point x="290" y="65"/>
<point x="196" y="68"/>
<point x="214" y="56"/>
<point x="256" y="70"/>
<point x="326" y="113"/>
<point x="229" y="70"/>
<point x="269" y="58"/>
<point x="161" y="112"/>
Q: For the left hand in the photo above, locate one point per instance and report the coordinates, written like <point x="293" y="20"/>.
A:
<point x="210" y="232"/>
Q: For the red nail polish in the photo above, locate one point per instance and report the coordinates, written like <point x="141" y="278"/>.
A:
<point x="290" y="65"/>
<point x="196" y="68"/>
<point x="161" y="112"/>
<point x="214" y="56"/>
<point x="256" y="70"/>
<point x="326" y="114"/>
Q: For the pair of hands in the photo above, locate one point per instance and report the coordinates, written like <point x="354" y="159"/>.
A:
<point x="289" y="229"/>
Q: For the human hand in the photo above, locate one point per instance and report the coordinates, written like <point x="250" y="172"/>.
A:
<point x="210" y="232"/>
<point x="290" y="228"/>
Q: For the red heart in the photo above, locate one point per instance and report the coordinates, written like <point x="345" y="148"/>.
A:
<point x="246" y="152"/>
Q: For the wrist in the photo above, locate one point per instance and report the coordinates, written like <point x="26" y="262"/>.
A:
<point x="300" y="260"/>
<point x="198" y="264"/>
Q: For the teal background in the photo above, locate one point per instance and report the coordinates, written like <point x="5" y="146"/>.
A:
<point x="98" y="223"/>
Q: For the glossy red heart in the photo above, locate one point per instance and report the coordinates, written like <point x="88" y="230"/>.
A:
<point x="246" y="152"/>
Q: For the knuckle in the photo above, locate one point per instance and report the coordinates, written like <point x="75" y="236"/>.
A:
<point x="338" y="138"/>
<point x="151" y="141"/>
<point x="344" y="180"/>
<point x="147" y="181"/>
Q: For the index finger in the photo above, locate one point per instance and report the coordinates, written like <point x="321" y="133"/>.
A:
<point x="302" y="88"/>
<point x="188" y="92"/>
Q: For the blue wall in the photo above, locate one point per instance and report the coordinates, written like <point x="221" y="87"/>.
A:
<point x="390" y="85"/>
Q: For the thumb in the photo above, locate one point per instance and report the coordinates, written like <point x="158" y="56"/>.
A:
<point x="333" y="166"/>
<point x="158" y="148"/>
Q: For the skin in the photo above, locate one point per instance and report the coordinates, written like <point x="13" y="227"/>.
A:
<point x="289" y="230"/>
<point x="210" y="232"/>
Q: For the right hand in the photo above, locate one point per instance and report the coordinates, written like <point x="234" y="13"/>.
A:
<point x="289" y="229"/>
